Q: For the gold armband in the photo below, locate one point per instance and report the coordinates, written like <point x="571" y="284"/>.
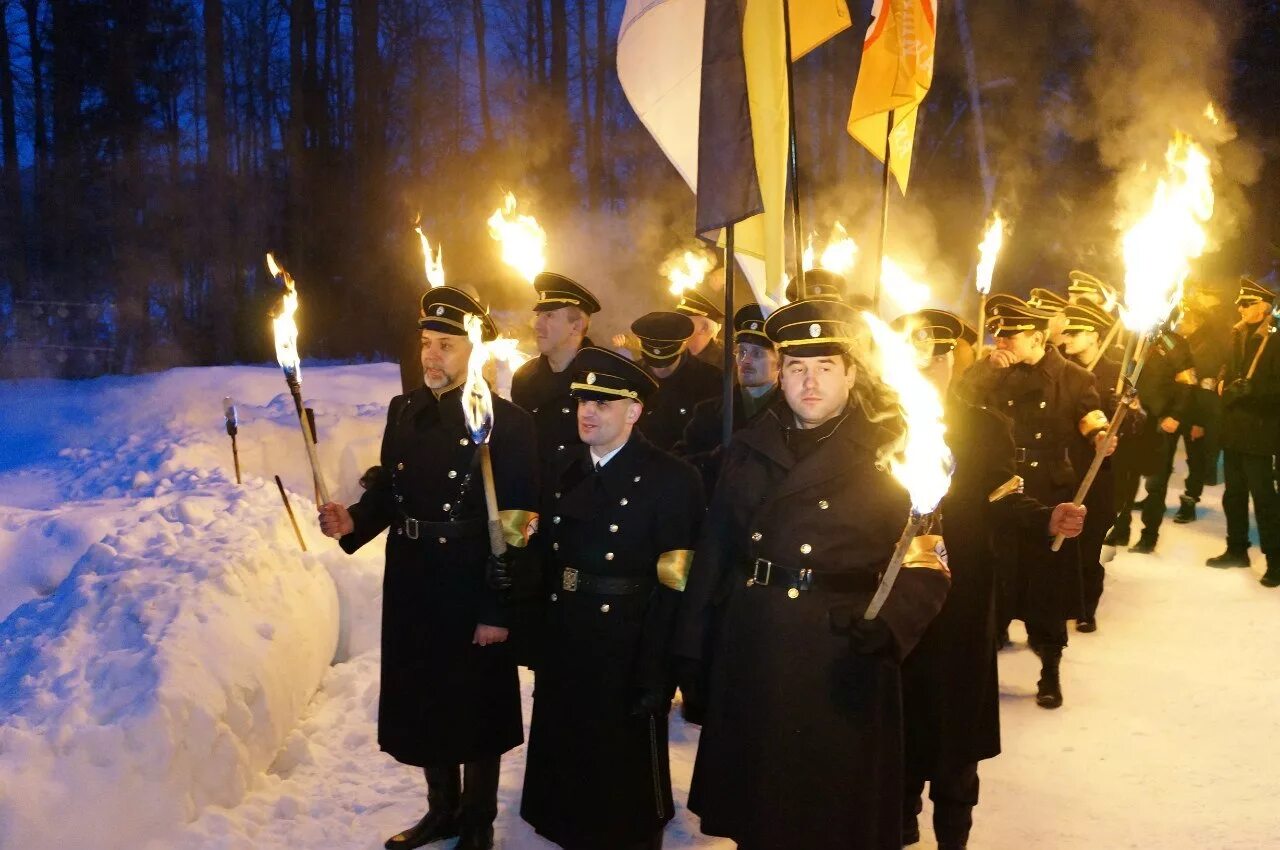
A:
<point x="518" y="526"/>
<point x="1094" y="420"/>
<point x="927" y="552"/>
<point x="673" y="568"/>
<point x="1008" y="488"/>
<point x="1187" y="376"/>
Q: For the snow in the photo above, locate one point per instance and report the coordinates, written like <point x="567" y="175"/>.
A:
<point x="175" y="673"/>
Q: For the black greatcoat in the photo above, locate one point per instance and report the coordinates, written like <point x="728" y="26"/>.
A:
<point x="1249" y="421"/>
<point x="545" y="396"/>
<point x="950" y="689"/>
<point x="1053" y="405"/>
<point x="669" y="408"/>
<point x="444" y="700"/>
<point x="597" y="776"/>
<point x="802" y="741"/>
<point x="1164" y="389"/>
<point x="701" y="444"/>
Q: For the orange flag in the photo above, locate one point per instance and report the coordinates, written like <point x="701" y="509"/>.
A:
<point x="896" y="72"/>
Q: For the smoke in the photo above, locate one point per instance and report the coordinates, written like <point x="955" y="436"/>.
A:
<point x="1155" y="70"/>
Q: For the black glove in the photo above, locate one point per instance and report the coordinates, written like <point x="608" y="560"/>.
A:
<point x="870" y="637"/>
<point x="1236" y="391"/>
<point x="497" y="571"/>
<point x="651" y="703"/>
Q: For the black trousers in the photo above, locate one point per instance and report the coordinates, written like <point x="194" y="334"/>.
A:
<point x="1101" y="503"/>
<point x="1047" y="635"/>
<point x="1247" y="476"/>
<point x="1153" y="507"/>
<point x="1202" y="461"/>
<point x="954" y="792"/>
<point x="471" y="789"/>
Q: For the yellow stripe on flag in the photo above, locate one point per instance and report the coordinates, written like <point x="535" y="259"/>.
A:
<point x="813" y="22"/>
<point x="896" y="72"/>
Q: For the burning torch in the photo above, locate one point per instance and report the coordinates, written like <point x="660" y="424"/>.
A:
<point x="286" y="334"/>
<point x="1158" y="251"/>
<point x="477" y="409"/>
<point x="524" y="242"/>
<point x="924" y="464"/>
<point x="988" y="253"/>
<point x="432" y="263"/>
<point x="233" y="428"/>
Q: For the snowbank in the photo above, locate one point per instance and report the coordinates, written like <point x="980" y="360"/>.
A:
<point x="162" y="632"/>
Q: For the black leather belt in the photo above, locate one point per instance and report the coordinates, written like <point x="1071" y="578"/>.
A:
<point x="416" y="528"/>
<point x="1022" y="454"/>
<point x="765" y="573"/>
<point x="576" y="581"/>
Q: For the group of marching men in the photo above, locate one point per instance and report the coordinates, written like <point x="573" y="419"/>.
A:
<point x="643" y="555"/>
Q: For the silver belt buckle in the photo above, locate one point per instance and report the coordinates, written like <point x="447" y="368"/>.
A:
<point x="1020" y="455"/>
<point x="569" y="579"/>
<point x="411" y="528"/>
<point x="756" y="578"/>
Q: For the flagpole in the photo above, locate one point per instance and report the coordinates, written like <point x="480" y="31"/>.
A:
<point x="796" y="230"/>
<point x="884" y="212"/>
<point x="729" y="262"/>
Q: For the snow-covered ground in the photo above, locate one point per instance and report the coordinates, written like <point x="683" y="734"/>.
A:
<point x="165" y="676"/>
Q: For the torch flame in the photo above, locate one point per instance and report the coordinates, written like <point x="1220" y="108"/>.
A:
<point x="505" y="350"/>
<point x="841" y="251"/>
<point x="1159" y="248"/>
<point x="284" y="326"/>
<point x="477" y="401"/>
<point x="907" y="293"/>
<point x="434" y="265"/>
<point x="924" y="464"/>
<point x="686" y="270"/>
<point x="989" y="252"/>
<point x="839" y="255"/>
<point x="524" y="242"/>
<point x="1211" y="112"/>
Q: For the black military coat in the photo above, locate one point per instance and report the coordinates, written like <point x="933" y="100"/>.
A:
<point x="1055" y="409"/>
<point x="712" y="354"/>
<point x="1164" y="390"/>
<point x="701" y="444"/>
<point x="545" y="395"/>
<point x="1210" y="350"/>
<point x="1251" y="409"/>
<point x="597" y="776"/>
<point x="950" y="687"/>
<point x="444" y="700"/>
<point x="669" y="408"/>
<point x="801" y="744"/>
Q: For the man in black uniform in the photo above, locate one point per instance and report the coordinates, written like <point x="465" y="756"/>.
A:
<point x="756" y="387"/>
<point x="950" y="686"/>
<point x="1086" y="327"/>
<point x="1054" y="405"/>
<point x="541" y="386"/>
<point x="707" y="319"/>
<point x="449" y="691"/>
<point x="802" y="740"/>
<point x="1164" y="390"/>
<point x="621" y="521"/>
<point x="683" y="380"/>
<point x="1210" y="343"/>
<point x="1251" y="432"/>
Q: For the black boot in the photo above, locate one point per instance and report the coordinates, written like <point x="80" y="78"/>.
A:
<point x="1272" y="576"/>
<point x="1049" y="688"/>
<point x="479" y="805"/>
<point x="1230" y="558"/>
<point x="1087" y="624"/>
<point x="1186" y="510"/>
<point x="1146" y="544"/>
<point x="441" y="820"/>
<point x="1118" y="536"/>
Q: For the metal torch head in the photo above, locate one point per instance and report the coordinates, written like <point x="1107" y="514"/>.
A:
<point x="229" y="411"/>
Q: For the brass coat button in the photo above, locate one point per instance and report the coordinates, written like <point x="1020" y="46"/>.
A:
<point x="805" y="548"/>
<point x="756" y="536"/>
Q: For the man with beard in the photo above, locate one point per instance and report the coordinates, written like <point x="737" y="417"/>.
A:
<point x="706" y="318"/>
<point x="541" y="386"/>
<point x="1251" y="432"/>
<point x="950" y="687"/>
<point x="756" y="388"/>
<point x="1056" y="413"/>
<point x="801" y="745"/>
<point x="449" y="695"/>
<point x="683" y="380"/>
<point x="623" y="519"/>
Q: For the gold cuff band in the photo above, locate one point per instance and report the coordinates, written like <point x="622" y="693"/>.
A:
<point x="673" y="568"/>
<point x="1008" y="488"/>
<point x="518" y="527"/>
